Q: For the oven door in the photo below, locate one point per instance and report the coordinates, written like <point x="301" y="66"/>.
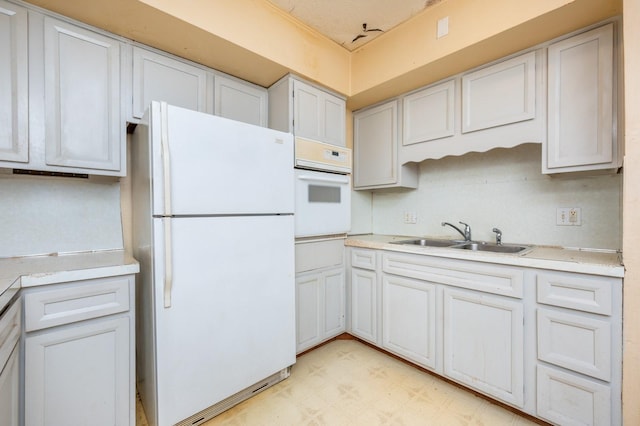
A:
<point x="323" y="203"/>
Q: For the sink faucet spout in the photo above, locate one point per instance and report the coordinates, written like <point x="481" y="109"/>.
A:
<point x="466" y="233"/>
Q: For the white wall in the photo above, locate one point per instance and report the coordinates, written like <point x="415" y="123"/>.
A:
<point x="44" y="215"/>
<point x="502" y="188"/>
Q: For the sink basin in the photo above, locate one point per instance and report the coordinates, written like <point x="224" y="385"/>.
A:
<point x="494" y="248"/>
<point x="428" y="243"/>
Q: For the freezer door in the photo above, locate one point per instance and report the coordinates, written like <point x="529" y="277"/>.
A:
<point x="207" y="165"/>
<point x="232" y="317"/>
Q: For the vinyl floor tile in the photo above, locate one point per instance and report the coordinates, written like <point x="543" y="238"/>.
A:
<point x="348" y="383"/>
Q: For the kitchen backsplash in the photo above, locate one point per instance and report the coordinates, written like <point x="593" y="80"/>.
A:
<point x="44" y="215"/>
<point x="502" y="188"/>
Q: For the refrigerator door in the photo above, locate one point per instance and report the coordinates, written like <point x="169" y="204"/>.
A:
<point x="208" y="165"/>
<point x="232" y="318"/>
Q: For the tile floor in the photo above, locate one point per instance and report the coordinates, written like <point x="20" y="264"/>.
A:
<point x="348" y="383"/>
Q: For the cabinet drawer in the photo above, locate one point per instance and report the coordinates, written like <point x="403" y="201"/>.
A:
<point x="365" y="259"/>
<point x="574" y="291"/>
<point x="566" y="399"/>
<point x="76" y="301"/>
<point x="486" y="277"/>
<point x="575" y="342"/>
<point x="319" y="254"/>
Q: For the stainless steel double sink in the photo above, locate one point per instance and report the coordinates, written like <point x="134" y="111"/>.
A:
<point x="466" y="245"/>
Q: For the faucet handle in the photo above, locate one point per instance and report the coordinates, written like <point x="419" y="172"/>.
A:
<point x="467" y="231"/>
<point x="498" y="236"/>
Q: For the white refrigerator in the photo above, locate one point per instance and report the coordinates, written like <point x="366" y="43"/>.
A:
<point x="213" y="227"/>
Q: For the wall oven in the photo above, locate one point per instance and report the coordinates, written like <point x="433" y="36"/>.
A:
<point x="323" y="189"/>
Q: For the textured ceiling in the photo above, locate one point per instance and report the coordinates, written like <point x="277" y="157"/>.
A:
<point x="342" y="20"/>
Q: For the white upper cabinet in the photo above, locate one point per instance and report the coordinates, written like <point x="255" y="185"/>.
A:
<point x="14" y="112"/>
<point x="581" y="107"/>
<point x="161" y="77"/>
<point x="429" y="113"/>
<point x="500" y="94"/>
<point x="82" y="98"/>
<point x="499" y="105"/>
<point x="307" y="111"/>
<point x="375" y="150"/>
<point x="318" y="115"/>
<point x="239" y="100"/>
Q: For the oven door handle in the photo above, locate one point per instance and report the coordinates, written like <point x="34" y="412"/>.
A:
<point x="340" y="180"/>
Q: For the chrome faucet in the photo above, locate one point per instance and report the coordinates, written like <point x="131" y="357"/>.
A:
<point x="498" y="236"/>
<point x="467" y="230"/>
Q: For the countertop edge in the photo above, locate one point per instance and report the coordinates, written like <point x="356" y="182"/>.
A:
<point x="553" y="258"/>
<point x="44" y="270"/>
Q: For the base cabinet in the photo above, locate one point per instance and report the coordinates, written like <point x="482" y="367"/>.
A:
<point x="409" y="319"/>
<point x="79" y="375"/>
<point x="319" y="307"/>
<point x="483" y="343"/>
<point x="79" y="359"/>
<point x="546" y="342"/>
<point x="320" y="292"/>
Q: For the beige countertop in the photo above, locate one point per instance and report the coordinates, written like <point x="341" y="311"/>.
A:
<point x="31" y="271"/>
<point x="596" y="262"/>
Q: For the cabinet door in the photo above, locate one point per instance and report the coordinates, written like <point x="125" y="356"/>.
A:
<point x="580" y="98"/>
<point x="334" y="113"/>
<point x="334" y="297"/>
<point x="159" y="77"/>
<point x="375" y="145"/>
<point x="318" y="115"/>
<point x="79" y="375"/>
<point x="240" y="101"/>
<point x="499" y="94"/>
<point x="483" y="343"/>
<point x="429" y="113"/>
<point x="364" y="304"/>
<point x="409" y="319"/>
<point x="308" y="331"/>
<point x="14" y="113"/>
<point x="83" y="126"/>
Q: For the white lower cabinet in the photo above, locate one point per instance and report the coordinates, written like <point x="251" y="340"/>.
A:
<point x="546" y="342"/>
<point x="320" y="292"/>
<point x="579" y="348"/>
<point x="483" y="343"/>
<point x="409" y="319"/>
<point x="10" y="325"/>
<point x="364" y="294"/>
<point x="79" y="374"/>
<point x="79" y="353"/>
<point x="319" y="307"/>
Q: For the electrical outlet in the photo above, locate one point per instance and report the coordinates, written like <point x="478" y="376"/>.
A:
<point x="568" y="216"/>
<point x="410" y="217"/>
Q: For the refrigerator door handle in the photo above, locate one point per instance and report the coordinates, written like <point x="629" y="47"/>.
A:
<point x="168" y="262"/>
<point x="166" y="171"/>
<point x="166" y="159"/>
